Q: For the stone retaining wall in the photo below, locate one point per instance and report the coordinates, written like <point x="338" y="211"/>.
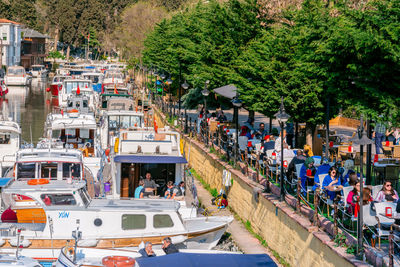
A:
<point x="288" y="233"/>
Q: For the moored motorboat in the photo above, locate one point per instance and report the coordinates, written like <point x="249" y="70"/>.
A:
<point x="16" y="75"/>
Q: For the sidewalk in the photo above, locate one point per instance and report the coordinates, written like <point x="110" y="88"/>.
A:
<point x="243" y="239"/>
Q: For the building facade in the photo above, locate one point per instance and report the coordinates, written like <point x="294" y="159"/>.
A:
<point x="33" y="51"/>
<point x="10" y="42"/>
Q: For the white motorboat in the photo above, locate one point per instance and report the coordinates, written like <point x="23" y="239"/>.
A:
<point x="114" y="77"/>
<point x="75" y="128"/>
<point x="16" y="75"/>
<point x="77" y="87"/>
<point x="38" y="71"/>
<point x="47" y="212"/>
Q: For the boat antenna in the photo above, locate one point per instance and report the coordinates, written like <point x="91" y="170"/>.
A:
<point x="30" y="128"/>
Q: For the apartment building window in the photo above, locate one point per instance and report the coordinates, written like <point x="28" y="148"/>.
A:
<point x="4" y="35"/>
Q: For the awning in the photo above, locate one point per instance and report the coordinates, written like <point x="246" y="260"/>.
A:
<point x="207" y="259"/>
<point x="149" y="159"/>
<point x="228" y="91"/>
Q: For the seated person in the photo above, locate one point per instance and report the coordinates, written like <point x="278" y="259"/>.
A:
<point x="278" y="145"/>
<point x="387" y="193"/>
<point x="352" y="197"/>
<point x="221" y="116"/>
<point x="245" y="131"/>
<point x="298" y="159"/>
<point x="147" y="251"/>
<point x="332" y="182"/>
<point x="308" y="166"/>
<point x="172" y="191"/>
<point x="261" y="132"/>
<point x="322" y="169"/>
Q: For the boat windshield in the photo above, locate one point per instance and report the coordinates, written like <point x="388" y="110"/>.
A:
<point x="74" y="85"/>
<point x="71" y="170"/>
<point x="123" y="121"/>
<point x="93" y="78"/>
<point x="85" y="196"/>
<point x="16" y="71"/>
<point x="26" y="170"/>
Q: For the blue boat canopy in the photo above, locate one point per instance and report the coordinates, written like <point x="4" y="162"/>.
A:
<point x="149" y="159"/>
<point x="201" y="260"/>
<point x="5" y="181"/>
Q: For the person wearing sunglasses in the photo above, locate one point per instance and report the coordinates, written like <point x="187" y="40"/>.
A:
<point x="332" y="183"/>
<point x="387" y="193"/>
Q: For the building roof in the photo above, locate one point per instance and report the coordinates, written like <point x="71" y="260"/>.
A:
<point x="30" y="33"/>
<point x="8" y="21"/>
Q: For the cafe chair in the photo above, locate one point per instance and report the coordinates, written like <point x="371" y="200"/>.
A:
<point x="370" y="220"/>
<point x="384" y="223"/>
<point x="317" y="160"/>
<point x="375" y="190"/>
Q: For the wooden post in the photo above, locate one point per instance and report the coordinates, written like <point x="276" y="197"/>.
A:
<point x="391" y="247"/>
<point x="335" y="217"/>
<point x="258" y="166"/>
<point x="316" y="203"/>
<point x="298" y="204"/>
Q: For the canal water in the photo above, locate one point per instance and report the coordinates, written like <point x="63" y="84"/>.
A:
<point x="29" y="107"/>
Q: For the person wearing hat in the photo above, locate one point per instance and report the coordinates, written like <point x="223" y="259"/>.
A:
<point x="308" y="166"/>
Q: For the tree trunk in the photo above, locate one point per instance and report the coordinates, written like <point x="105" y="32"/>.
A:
<point x="309" y="134"/>
<point x="251" y="114"/>
<point x="68" y="51"/>
<point x="56" y="36"/>
<point x="296" y="135"/>
<point x="270" y="125"/>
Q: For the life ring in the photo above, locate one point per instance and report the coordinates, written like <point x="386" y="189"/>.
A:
<point x="38" y="181"/>
<point x="120" y="261"/>
<point x="73" y="111"/>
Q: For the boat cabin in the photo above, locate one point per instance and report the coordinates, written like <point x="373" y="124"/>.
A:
<point x="115" y="120"/>
<point x="53" y="164"/>
<point x="73" y="129"/>
<point x="71" y="85"/>
<point x="144" y="151"/>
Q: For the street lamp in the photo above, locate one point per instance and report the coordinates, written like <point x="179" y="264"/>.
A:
<point x="237" y="104"/>
<point x="282" y="118"/>
<point x="185" y="86"/>
<point x="205" y="93"/>
<point x="169" y="82"/>
<point x="362" y="140"/>
<point x="162" y="76"/>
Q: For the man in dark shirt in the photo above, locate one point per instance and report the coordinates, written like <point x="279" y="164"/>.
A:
<point x="168" y="247"/>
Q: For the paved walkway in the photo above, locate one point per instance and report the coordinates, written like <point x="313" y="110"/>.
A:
<point x="243" y="239"/>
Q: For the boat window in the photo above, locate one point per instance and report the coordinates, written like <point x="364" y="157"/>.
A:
<point x="70" y="133"/>
<point x="72" y="170"/>
<point x="113" y="122"/>
<point x="16" y="71"/>
<point x="85" y="196"/>
<point x="84" y="133"/>
<point x="162" y="221"/>
<point x="58" y="199"/>
<point x="4" y="139"/>
<point x="85" y="104"/>
<point x="26" y="170"/>
<point x="133" y="221"/>
<point x="36" y="68"/>
<point x="56" y="133"/>
<point x="48" y="170"/>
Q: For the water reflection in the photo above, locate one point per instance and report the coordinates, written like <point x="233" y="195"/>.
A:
<point x="28" y="106"/>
